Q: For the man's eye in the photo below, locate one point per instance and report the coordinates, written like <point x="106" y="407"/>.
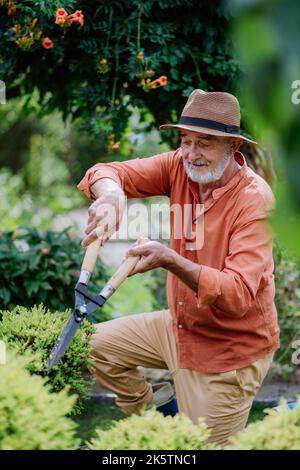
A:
<point x="203" y="144"/>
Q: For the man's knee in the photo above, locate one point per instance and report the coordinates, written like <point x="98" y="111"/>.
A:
<point x="102" y="339"/>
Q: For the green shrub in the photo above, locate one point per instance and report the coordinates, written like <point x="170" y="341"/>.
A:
<point x="36" y="331"/>
<point x="157" y="286"/>
<point x="287" y="300"/>
<point x="153" y="431"/>
<point x="278" y="431"/>
<point x="42" y="267"/>
<point x="30" y="416"/>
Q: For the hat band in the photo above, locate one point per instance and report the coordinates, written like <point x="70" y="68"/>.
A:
<point x="218" y="126"/>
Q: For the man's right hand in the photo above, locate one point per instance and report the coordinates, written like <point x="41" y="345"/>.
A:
<point x="105" y="214"/>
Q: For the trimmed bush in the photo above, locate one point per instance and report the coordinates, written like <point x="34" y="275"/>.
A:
<point x="36" y="330"/>
<point x="278" y="431"/>
<point x="32" y="418"/>
<point x="42" y="267"/>
<point x="153" y="431"/>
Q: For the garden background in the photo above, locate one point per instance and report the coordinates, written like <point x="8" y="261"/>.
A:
<point x="89" y="82"/>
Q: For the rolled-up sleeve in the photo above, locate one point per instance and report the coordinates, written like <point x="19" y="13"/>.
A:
<point x="94" y="174"/>
<point x="140" y="177"/>
<point x="233" y="289"/>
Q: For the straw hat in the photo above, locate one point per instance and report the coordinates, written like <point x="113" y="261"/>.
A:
<point x="214" y="112"/>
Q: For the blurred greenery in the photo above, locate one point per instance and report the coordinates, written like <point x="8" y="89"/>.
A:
<point x="96" y="415"/>
<point x="266" y="35"/>
<point x="287" y="300"/>
<point x="133" y="296"/>
<point x="42" y="160"/>
<point x="42" y="267"/>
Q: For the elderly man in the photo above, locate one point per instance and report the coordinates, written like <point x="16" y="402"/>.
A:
<point x="220" y="332"/>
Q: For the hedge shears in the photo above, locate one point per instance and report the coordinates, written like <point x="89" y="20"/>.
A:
<point x="85" y="302"/>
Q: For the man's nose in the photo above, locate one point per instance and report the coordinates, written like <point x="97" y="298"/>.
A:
<point x="194" y="151"/>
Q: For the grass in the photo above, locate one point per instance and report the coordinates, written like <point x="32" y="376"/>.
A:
<point x="96" y="415"/>
<point x="257" y="412"/>
<point x="102" y="415"/>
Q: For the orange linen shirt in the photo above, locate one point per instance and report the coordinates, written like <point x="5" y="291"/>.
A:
<point x="232" y="320"/>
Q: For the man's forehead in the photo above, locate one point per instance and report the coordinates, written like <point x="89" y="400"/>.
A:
<point x="198" y="135"/>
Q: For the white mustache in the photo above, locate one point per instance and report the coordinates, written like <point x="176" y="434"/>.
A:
<point x="198" y="162"/>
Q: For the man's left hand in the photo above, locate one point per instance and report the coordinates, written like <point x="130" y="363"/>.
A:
<point x="153" y="255"/>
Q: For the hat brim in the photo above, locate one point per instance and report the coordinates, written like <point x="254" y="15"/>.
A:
<point x="204" y="130"/>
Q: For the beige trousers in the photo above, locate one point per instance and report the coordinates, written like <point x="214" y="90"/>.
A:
<point x="147" y="340"/>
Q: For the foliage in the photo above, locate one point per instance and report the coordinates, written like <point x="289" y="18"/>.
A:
<point x="133" y="296"/>
<point x="157" y="286"/>
<point x="30" y="416"/>
<point x="36" y="331"/>
<point x="287" y="300"/>
<point x="277" y="431"/>
<point x="267" y="35"/>
<point x="96" y="69"/>
<point x="46" y="152"/>
<point x="102" y="416"/>
<point x="96" y="414"/>
<point x="42" y="267"/>
<point x="153" y="431"/>
<point x="22" y="207"/>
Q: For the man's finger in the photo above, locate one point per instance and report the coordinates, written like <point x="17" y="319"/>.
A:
<point x="89" y="239"/>
<point x="140" y="267"/>
<point x="138" y="250"/>
<point x="91" y="226"/>
<point x="104" y="230"/>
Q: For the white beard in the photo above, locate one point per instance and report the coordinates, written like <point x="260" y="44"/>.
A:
<point x="210" y="175"/>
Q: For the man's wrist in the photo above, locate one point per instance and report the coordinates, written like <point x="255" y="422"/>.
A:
<point x="170" y="259"/>
<point x="103" y="185"/>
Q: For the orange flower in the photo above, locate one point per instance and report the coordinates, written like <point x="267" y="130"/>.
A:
<point x="61" y="16"/>
<point x="103" y="62"/>
<point x="61" y="12"/>
<point x="148" y="85"/>
<point x="140" y="56"/>
<point x="162" y="81"/>
<point x="16" y="28"/>
<point x="116" y="145"/>
<point x="11" y="9"/>
<point x="77" y="17"/>
<point x="47" y="43"/>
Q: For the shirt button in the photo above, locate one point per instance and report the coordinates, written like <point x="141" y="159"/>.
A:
<point x="180" y="302"/>
<point x="180" y="325"/>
